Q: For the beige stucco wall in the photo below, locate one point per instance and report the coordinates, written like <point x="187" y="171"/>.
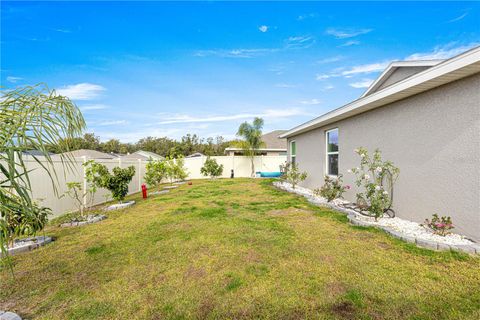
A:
<point x="433" y="137"/>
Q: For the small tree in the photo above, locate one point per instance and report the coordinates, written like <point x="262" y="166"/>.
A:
<point x="332" y="188"/>
<point x="211" y="168"/>
<point x="75" y="192"/>
<point x="292" y="174"/>
<point x="377" y="177"/>
<point x="252" y="139"/>
<point x="156" y="172"/>
<point x="179" y="171"/>
<point x="116" y="182"/>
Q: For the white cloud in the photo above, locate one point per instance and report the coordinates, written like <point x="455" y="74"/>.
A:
<point x="330" y="60"/>
<point x="307" y="16"/>
<point x="93" y="107"/>
<point x="366" y="68"/>
<point x="311" y="102"/>
<point x="81" y="91"/>
<point x="263" y="28"/>
<point x="285" y="85"/>
<point x="299" y="42"/>
<point x="346" y="33"/>
<point x="14" y="79"/>
<point x="112" y="122"/>
<point x="266" y="114"/>
<point x="364" y="83"/>
<point x="234" y="53"/>
<point x="350" y="43"/>
<point x="442" y="52"/>
<point x="328" y="87"/>
<point x="458" y="18"/>
<point x="63" y="30"/>
<point x="323" y="76"/>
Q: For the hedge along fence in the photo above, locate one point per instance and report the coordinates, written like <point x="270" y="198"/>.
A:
<point x="43" y="192"/>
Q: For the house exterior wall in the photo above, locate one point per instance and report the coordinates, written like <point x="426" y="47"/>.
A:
<point x="433" y="137"/>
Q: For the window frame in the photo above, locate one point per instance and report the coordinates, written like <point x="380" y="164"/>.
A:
<point x="328" y="153"/>
<point x="293" y="155"/>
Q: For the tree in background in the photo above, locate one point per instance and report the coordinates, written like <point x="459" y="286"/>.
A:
<point x="156" y="171"/>
<point x="252" y="139"/>
<point x="31" y="117"/>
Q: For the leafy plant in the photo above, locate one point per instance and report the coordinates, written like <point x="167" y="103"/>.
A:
<point x="175" y="169"/>
<point x="292" y="174"/>
<point x="332" y="188"/>
<point x="377" y="177"/>
<point x="116" y="182"/>
<point x="156" y="172"/>
<point x="439" y="225"/>
<point x="31" y="118"/>
<point x="252" y="139"/>
<point x="211" y="168"/>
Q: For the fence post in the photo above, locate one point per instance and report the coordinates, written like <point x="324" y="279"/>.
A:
<point x="120" y="162"/>
<point x="84" y="181"/>
<point x="261" y="162"/>
<point x="139" y="174"/>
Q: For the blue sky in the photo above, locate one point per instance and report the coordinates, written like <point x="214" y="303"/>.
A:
<point x="167" y="69"/>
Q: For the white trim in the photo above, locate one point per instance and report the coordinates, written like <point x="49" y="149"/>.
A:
<point x="450" y="70"/>
<point x="392" y="67"/>
<point x="327" y="153"/>
<point x="290" y="155"/>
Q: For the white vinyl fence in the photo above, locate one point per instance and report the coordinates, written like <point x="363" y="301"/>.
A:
<point x="43" y="192"/>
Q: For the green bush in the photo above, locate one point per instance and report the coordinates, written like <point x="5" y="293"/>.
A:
<point x="175" y="169"/>
<point x="292" y="174"/>
<point x="332" y="188"/>
<point x="211" y="168"/>
<point x="377" y="177"/>
<point x="116" y="182"/>
<point x="156" y="172"/>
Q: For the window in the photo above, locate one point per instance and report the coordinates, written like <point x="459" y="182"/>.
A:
<point x="293" y="151"/>
<point x="332" y="152"/>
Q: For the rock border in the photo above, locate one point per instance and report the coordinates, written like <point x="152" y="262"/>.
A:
<point x="7" y="315"/>
<point x="40" y="241"/>
<point x="96" y="218"/>
<point x="169" y="187"/>
<point x="120" y="206"/>
<point x="473" y="248"/>
<point x="159" y="192"/>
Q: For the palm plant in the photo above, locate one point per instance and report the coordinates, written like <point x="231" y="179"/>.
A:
<point x="252" y="139"/>
<point x="31" y="117"/>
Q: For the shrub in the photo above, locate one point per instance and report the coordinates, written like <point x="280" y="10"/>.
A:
<point x="156" y="172"/>
<point x="18" y="223"/>
<point x="116" y="182"/>
<point x="175" y="169"/>
<point x="332" y="188"/>
<point x="438" y="225"/>
<point x="211" y="168"/>
<point x="292" y="174"/>
<point x="377" y="178"/>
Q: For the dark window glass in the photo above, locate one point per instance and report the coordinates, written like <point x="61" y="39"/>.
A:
<point x="332" y="138"/>
<point x="333" y="164"/>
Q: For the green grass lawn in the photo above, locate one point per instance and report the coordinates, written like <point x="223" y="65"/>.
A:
<point x="236" y="249"/>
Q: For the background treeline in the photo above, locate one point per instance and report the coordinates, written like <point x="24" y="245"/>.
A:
<point x="164" y="146"/>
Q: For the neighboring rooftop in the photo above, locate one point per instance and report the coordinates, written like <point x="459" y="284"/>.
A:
<point x="272" y="141"/>
<point x="90" y="154"/>
<point x="36" y="153"/>
<point x="195" y="155"/>
<point x="142" y="155"/>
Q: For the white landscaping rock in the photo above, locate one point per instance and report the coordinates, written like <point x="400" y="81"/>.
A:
<point x="9" y="316"/>
<point x="160" y="192"/>
<point x="400" y="228"/>
<point x="90" y="219"/>
<point x="119" y="206"/>
<point x="170" y="187"/>
<point x="28" y="244"/>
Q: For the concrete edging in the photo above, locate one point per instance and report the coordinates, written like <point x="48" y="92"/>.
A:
<point x="423" y="243"/>
<point x="82" y="223"/>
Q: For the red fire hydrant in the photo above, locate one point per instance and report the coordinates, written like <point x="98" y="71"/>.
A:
<point x="144" y="191"/>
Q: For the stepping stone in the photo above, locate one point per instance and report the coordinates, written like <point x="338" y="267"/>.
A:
<point x="119" y="206"/>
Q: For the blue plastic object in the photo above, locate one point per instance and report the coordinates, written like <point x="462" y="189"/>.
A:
<point x="270" y="174"/>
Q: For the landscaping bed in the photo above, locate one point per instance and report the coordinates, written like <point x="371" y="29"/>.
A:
<point x="119" y="206"/>
<point x="28" y="244"/>
<point x="400" y="228"/>
<point x="91" y="218"/>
